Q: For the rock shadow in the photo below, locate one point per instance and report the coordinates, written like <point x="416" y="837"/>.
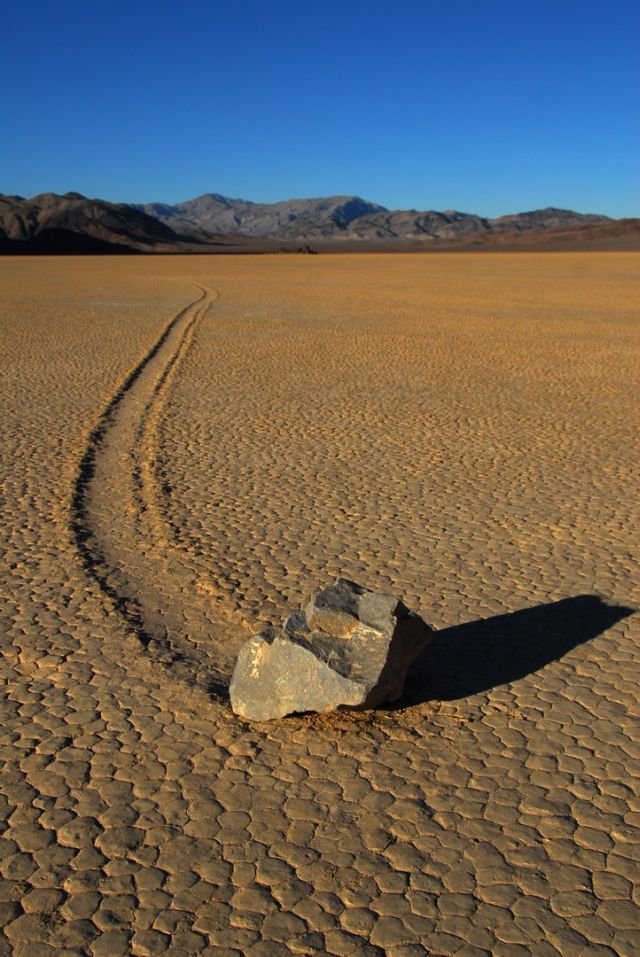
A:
<point x="480" y="655"/>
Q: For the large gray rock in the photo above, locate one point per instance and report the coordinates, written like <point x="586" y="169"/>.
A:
<point x="350" y="648"/>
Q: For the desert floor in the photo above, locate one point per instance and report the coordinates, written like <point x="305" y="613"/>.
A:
<point x="190" y="447"/>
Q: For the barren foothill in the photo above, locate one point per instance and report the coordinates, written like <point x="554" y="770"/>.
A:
<point x="190" y="446"/>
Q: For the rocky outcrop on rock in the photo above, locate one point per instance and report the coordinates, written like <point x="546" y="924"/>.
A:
<point x="350" y="648"/>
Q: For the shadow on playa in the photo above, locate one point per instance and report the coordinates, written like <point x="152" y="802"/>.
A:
<point x="481" y="655"/>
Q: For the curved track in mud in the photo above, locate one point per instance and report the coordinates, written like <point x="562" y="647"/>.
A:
<point x="119" y="526"/>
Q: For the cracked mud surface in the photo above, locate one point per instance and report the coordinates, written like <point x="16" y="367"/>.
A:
<point x="192" y="445"/>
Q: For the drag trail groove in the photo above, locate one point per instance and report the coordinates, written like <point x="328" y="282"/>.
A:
<point x="119" y="521"/>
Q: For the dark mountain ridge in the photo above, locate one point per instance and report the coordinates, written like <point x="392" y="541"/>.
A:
<point x="49" y="222"/>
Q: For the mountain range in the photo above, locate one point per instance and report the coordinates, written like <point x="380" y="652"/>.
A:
<point x="51" y="223"/>
<point x="345" y="218"/>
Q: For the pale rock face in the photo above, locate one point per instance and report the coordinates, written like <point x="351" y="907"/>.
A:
<point x="350" y="648"/>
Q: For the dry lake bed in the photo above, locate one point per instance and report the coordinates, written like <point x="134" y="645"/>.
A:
<point x="190" y="447"/>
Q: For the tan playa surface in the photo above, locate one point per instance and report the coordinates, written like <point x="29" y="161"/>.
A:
<point x="190" y="446"/>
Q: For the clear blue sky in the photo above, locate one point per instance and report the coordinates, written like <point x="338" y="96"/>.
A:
<point x="487" y="106"/>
